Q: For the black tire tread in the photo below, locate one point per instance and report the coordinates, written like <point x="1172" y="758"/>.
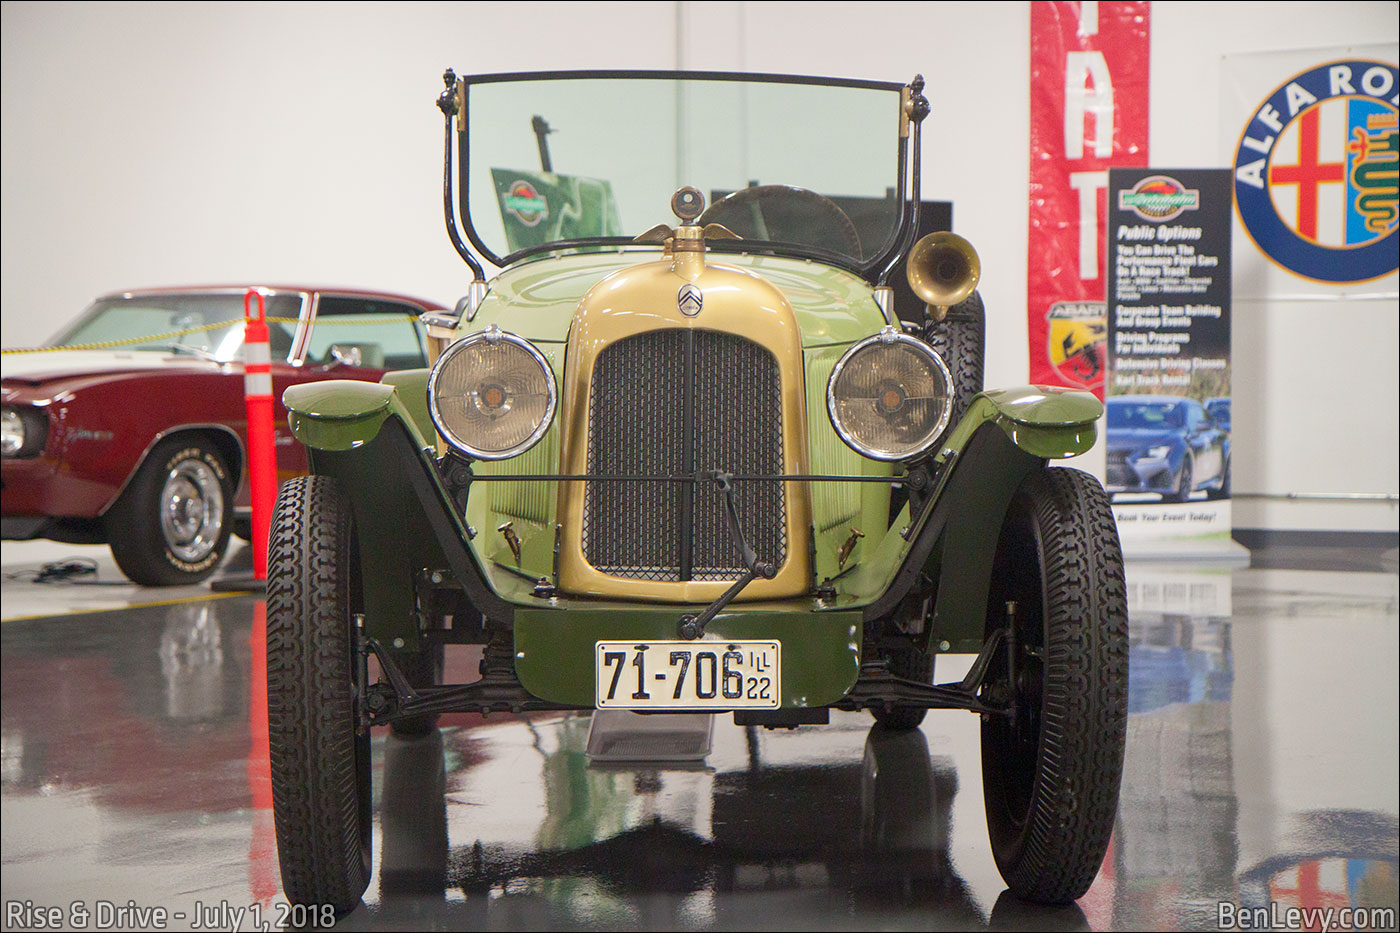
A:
<point x="961" y="340"/>
<point x="1075" y="797"/>
<point x="319" y="764"/>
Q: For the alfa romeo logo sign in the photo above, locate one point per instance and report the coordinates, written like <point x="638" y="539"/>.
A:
<point x="1316" y="180"/>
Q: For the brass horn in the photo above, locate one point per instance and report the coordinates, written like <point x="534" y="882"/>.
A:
<point x="943" y="269"/>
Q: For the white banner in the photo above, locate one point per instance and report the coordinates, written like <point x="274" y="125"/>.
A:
<point x="1312" y="141"/>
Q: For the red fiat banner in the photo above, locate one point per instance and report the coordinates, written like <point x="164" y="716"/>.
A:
<point x="1089" y="80"/>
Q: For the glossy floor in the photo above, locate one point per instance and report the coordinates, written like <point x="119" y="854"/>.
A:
<point x="1261" y="769"/>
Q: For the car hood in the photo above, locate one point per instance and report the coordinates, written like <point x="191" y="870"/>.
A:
<point x="47" y="365"/>
<point x="537" y="299"/>
<point x="1137" y="438"/>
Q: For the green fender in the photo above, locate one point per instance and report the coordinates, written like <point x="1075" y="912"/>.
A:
<point x="1044" y="421"/>
<point x="411" y="388"/>
<point x="1040" y="422"/>
<point x="948" y="549"/>
<point x="342" y="414"/>
<point x="342" y="422"/>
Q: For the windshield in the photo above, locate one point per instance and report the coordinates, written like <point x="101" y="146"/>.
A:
<point x="1159" y="415"/>
<point x="202" y="325"/>
<point x="813" y="166"/>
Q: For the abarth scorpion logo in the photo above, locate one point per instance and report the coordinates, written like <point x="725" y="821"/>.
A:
<point x="689" y="300"/>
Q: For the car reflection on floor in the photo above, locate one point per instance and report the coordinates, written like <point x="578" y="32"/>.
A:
<point x="872" y="842"/>
<point x="134" y="767"/>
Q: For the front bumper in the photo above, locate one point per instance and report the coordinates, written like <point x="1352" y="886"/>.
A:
<point x="820" y="650"/>
<point x="1144" y="474"/>
<point x="39" y="486"/>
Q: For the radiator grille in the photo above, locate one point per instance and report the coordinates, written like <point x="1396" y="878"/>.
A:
<point x="637" y="424"/>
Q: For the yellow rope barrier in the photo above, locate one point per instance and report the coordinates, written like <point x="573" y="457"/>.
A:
<point x="132" y="341"/>
<point x="129" y="341"/>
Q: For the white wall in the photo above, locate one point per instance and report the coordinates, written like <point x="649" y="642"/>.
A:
<point x="153" y="144"/>
<point x="162" y="144"/>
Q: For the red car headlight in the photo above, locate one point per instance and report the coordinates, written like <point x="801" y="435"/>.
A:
<point x="22" y="432"/>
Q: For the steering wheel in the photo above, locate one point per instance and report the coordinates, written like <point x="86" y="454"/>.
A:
<point x="786" y="213"/>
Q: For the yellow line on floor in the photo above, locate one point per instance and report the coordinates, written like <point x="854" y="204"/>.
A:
<point x="159" y="602"/>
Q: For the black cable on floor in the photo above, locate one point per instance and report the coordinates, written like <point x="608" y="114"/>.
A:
<point x="59" y="571"/>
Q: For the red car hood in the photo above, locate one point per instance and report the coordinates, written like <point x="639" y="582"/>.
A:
<point x="35" y="368"/>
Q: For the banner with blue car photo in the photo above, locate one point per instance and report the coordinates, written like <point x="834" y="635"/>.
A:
<point x="1168" y="390"/>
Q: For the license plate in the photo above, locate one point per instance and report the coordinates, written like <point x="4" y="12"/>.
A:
<point x="688" y="674"/>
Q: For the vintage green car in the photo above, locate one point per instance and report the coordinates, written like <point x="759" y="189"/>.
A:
<point x="706" y="467"/>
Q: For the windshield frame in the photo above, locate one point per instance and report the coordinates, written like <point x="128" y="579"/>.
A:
<point x="875" y="268"/>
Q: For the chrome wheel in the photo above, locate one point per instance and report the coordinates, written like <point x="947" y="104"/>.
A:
<point x="1184" y="484"/>
<point x="192" y="510"/>
<point x="171" y="525"/>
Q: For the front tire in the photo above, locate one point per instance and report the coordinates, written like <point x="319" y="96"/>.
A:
<point x="961" y="340"/>
<point x="171" y="525"/>
<point x="1223" y="490"/>
<point x="1050" y="775"/>
<point x="320" y="760"/>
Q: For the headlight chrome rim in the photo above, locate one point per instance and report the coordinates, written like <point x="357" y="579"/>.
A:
<point x="889" y="336"/>
<point x="491" y="335"/>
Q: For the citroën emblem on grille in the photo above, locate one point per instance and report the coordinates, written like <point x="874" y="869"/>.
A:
<point x="689" y="300"/>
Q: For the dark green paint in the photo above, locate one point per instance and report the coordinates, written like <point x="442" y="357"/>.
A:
<point x="411" y="387"/>
<point x="338" y="414"/>
<point x="1038" y="422"/>
<point x="978" y="494"/>
<point x="554" y="648"/>
<point x="342" y="414"/>
<point x="394" y="539"/>
<point x="1046" y="405"/>
<point x="338" y="399"/>
<point x="339" y="421"/>
<point x="1041" y="420"/>
<point x="1047" y="422"/>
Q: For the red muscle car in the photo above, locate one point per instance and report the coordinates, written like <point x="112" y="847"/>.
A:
<point x="129" y="427"/>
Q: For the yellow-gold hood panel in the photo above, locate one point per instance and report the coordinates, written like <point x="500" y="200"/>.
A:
<point x="645" y="297"/>
<point x="536" y="299"/>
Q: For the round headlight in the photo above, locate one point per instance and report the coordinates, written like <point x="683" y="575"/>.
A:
<point x="889" y="396"/>
<point x="492" y="395"/>
<point x="11" y="432"/>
